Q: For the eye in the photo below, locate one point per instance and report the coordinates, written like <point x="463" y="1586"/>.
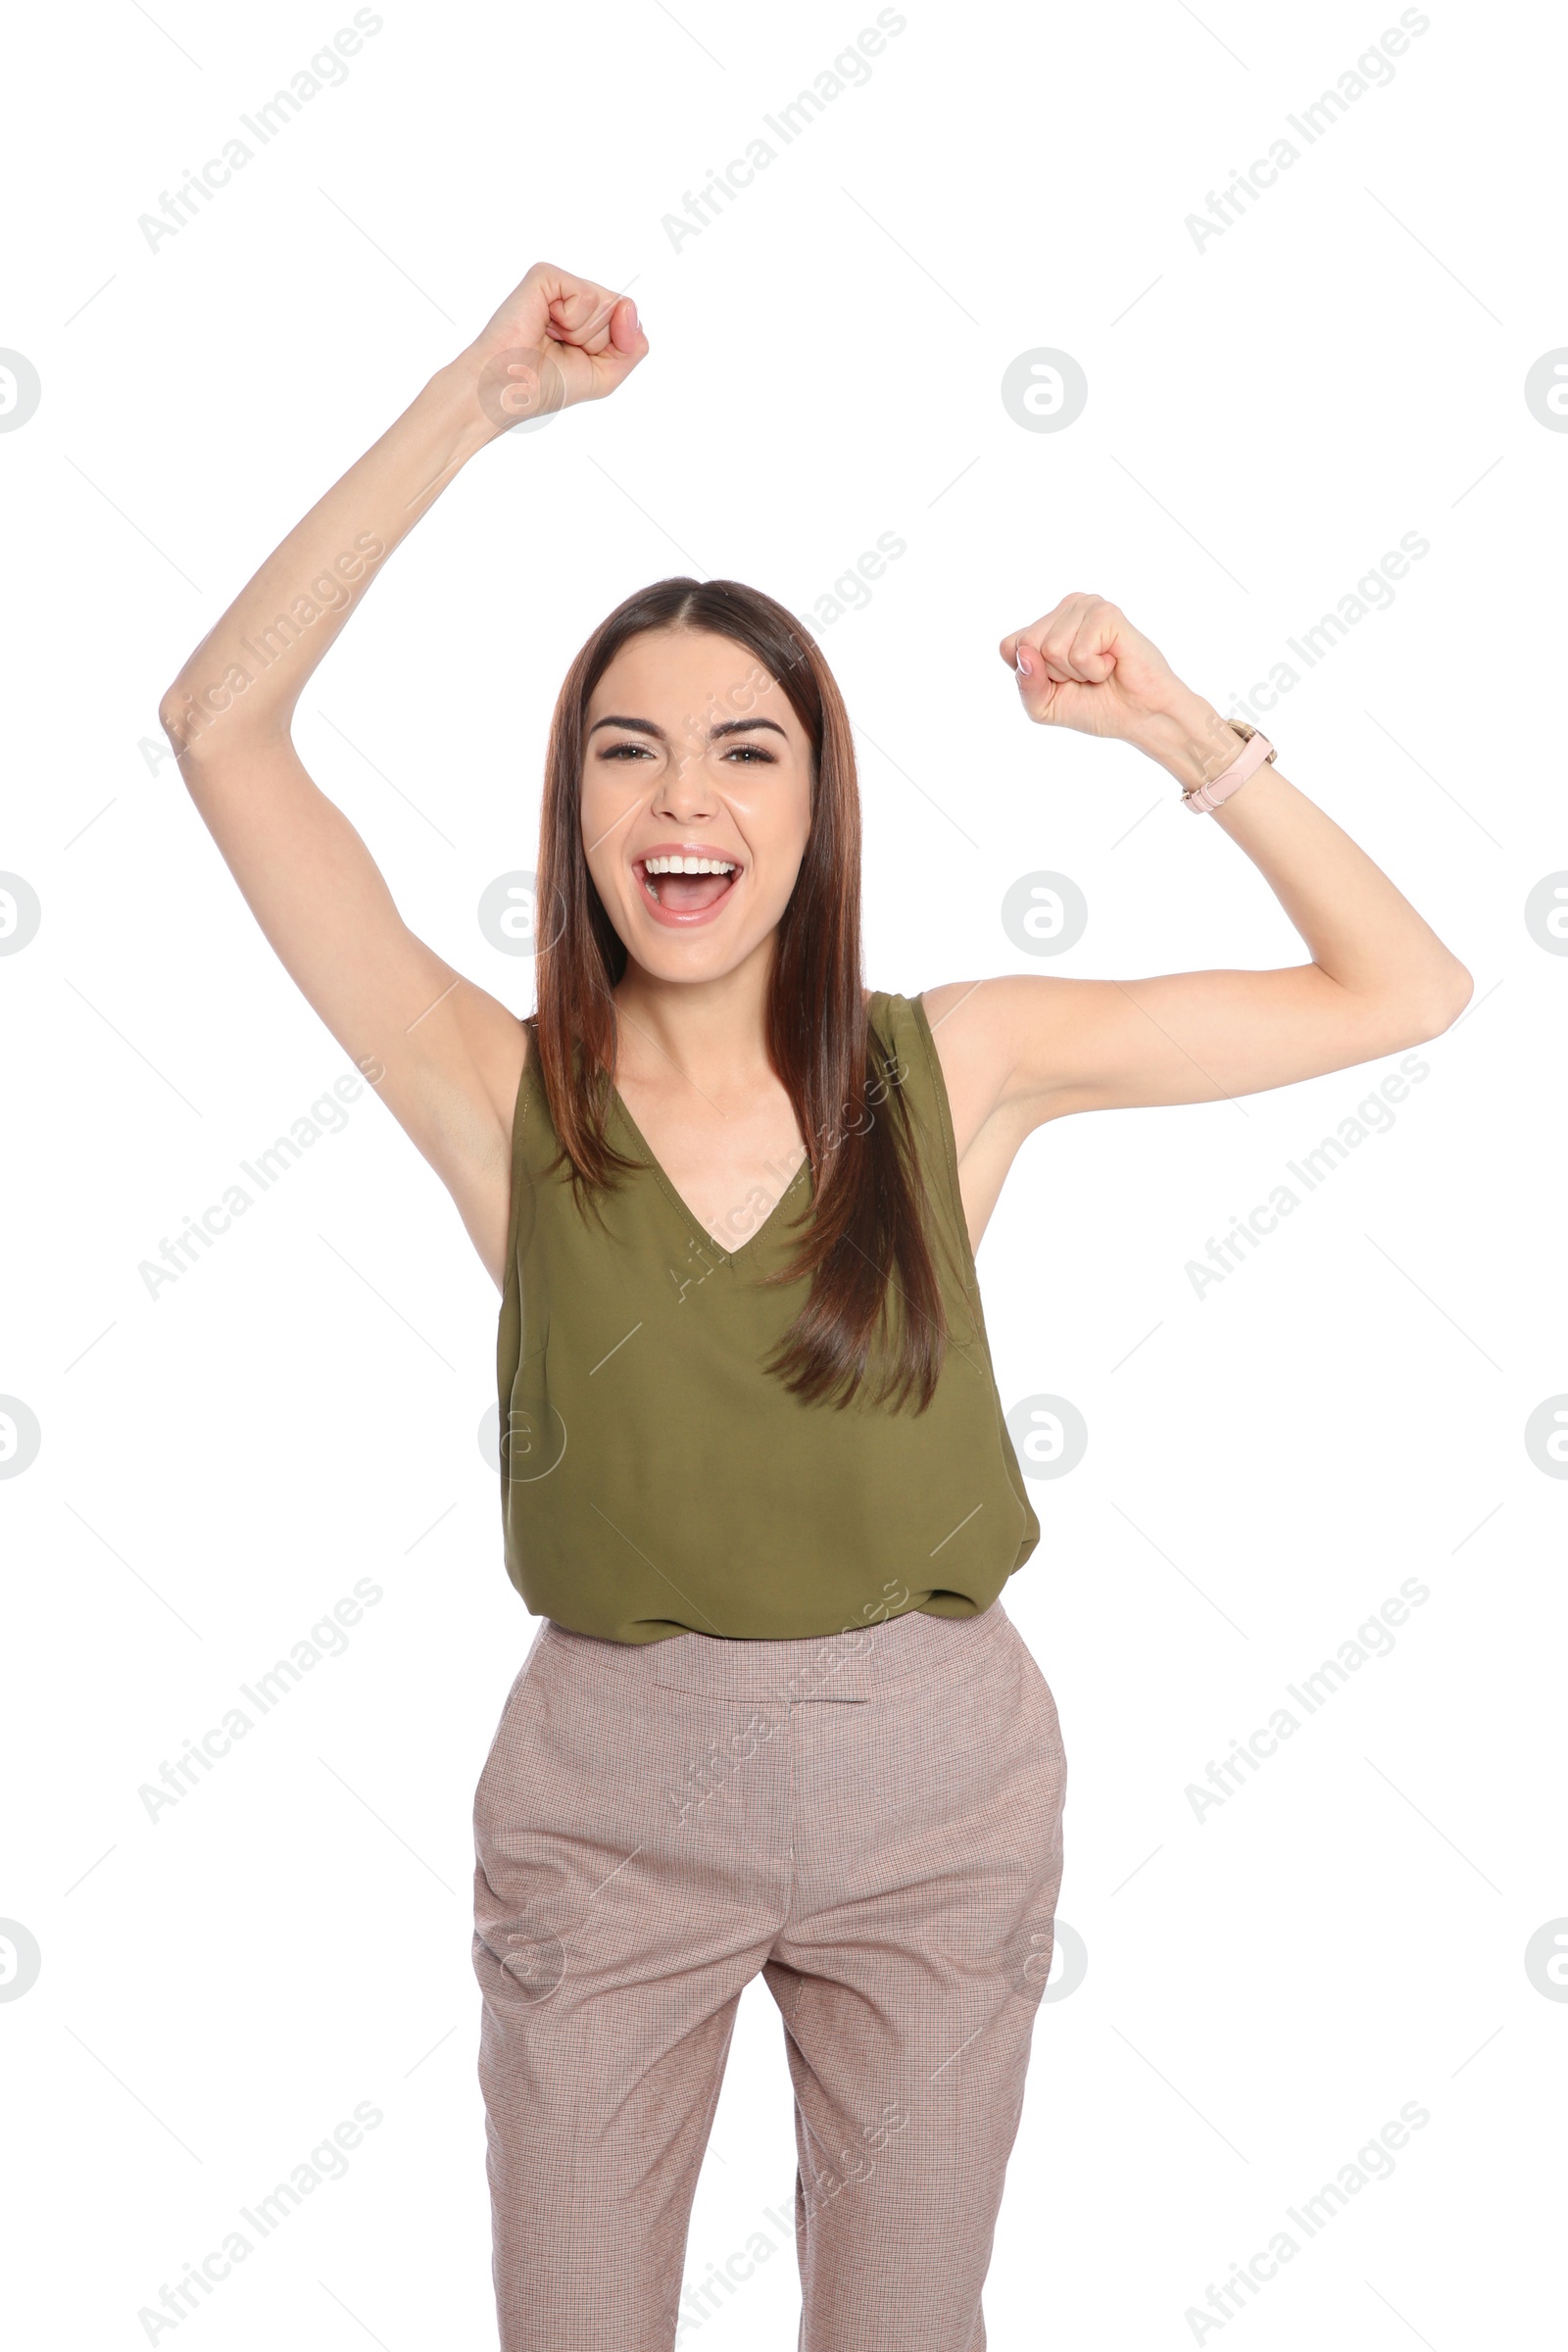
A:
<point x="747" y="752"/>
<point x="626" y="751"/>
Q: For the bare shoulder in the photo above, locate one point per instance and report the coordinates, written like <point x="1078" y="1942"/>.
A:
<point x="962" y="1015"/>
<point x="984" y="1030"/>
<point x="993" y="1039"/>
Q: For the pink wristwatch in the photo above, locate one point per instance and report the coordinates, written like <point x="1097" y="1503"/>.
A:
<point x="1255" y="753"/>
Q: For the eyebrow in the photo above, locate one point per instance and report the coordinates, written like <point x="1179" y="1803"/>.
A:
<point x="645" y="726"/>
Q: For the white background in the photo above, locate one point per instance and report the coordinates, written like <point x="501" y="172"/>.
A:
<point x="1266" y="1985"/>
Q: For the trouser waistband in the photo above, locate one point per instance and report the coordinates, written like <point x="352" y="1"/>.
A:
<point x="848" y="1665"/>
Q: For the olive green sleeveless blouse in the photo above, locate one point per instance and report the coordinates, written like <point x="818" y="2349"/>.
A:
<point x="656" y="1479"/>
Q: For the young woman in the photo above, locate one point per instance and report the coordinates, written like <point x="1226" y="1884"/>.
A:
<point x="756" y="1478"/>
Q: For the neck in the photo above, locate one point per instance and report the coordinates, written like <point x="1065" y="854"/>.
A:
<point x="714" y="1032"/>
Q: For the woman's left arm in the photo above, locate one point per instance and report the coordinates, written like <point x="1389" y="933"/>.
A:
<point x="1021" y="1051"/>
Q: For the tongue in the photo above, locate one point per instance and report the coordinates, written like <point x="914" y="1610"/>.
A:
<point x="688" y="894"/>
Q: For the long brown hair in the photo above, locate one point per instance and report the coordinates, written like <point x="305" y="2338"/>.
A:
<point x="874" y="1291"/>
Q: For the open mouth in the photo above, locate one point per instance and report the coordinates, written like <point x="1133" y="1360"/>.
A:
<point x="686" y="885"/>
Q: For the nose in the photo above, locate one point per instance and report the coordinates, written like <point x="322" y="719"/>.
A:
<point x="686" y="791"/>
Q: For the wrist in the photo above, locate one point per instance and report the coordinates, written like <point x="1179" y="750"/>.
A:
<point x="452" y="398"/>
<point x="487" y="392"/>
<point x="1191" y="742"/>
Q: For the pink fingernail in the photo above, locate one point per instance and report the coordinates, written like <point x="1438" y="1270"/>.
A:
<point x="1023" y="660"/>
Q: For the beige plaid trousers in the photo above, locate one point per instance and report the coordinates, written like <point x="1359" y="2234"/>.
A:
<point x="873" y="1821"/>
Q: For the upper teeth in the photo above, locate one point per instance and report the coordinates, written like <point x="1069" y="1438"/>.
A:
<point x="686" y="865"/>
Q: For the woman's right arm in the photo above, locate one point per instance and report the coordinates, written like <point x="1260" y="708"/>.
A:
<point x="444" y="1056"/>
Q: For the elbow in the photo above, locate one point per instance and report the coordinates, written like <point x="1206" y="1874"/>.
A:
<point x="194" y="716"/>
<point x="1442" y="1006"/>
<point x="1415" y="1010"/>
<point x="181" y="716"/>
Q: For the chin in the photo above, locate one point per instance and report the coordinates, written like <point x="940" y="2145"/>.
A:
<point x="690" y="958"/>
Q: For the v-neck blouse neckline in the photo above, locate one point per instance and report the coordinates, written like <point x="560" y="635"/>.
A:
<point x="687" y="1213"/>
<point x="774" y="1217"/>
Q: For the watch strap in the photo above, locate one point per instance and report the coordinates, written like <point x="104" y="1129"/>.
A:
<point x="1255" y="753"/>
